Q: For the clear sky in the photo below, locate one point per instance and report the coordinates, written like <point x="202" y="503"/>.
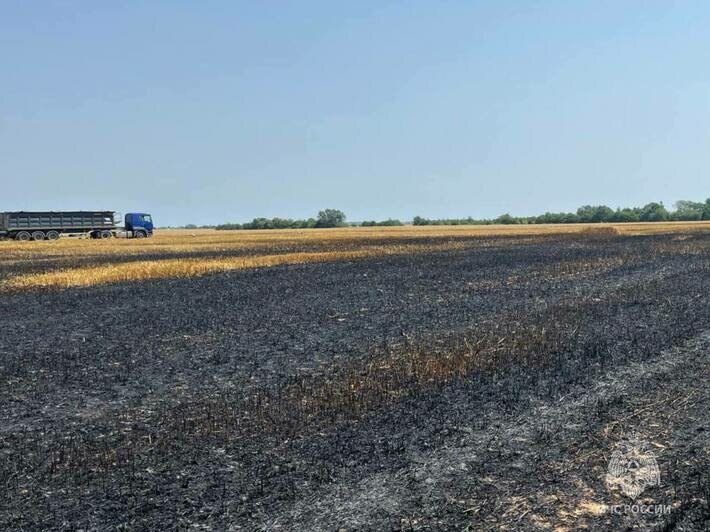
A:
<point x="213" y="111"/>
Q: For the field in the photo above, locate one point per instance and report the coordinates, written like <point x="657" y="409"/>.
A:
<point x="414" y="378"/>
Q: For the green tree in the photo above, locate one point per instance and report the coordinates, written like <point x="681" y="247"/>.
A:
<point x="626" y="215"/>
<point x="595" y="214"/>
<point x="653" y="212"/>
<point x="330" y="218"/>
<point x="688" y="211"/>
<point x="507" y="219"/>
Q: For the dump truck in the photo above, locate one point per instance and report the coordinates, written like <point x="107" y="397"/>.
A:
<point x="25" y="226"/>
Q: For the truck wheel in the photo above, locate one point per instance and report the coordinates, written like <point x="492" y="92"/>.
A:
<point x="38" y="235"/>
<point x="52" y="235"/>
<point x="23" y="236"/>
<point x="139" y="234"/>
<point x="105" y="235"/>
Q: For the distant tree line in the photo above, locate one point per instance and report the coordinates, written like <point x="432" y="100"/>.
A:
<point x="385" y="223"/>
<point x="326" y="218"/>
<point x="652" y="212"/>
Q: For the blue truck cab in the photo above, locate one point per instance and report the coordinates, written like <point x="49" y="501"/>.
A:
<point x="140" y="224"/>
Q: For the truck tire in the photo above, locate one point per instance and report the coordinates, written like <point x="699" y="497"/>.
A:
<point x="139" y="234"/>
<point x="38" y="235"/>
<point x="23" y="236"/>
<point x="52" y="235"/>
<point x="105" y="235"/>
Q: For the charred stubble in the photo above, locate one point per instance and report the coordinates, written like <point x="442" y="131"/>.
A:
<point x="449" y="338"/>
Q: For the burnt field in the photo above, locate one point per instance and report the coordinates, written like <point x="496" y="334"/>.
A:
<point x="429" y="383"/>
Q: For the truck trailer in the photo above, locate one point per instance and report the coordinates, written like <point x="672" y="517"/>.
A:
<point x="25" y="226"/>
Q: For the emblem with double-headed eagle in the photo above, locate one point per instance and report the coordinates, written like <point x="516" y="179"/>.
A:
<point x="633" y="468"/>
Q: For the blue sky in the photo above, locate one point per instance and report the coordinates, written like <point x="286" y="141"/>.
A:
<point x="213" y="111"/>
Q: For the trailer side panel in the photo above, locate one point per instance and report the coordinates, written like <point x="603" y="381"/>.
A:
<point x="82" y="221"/>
